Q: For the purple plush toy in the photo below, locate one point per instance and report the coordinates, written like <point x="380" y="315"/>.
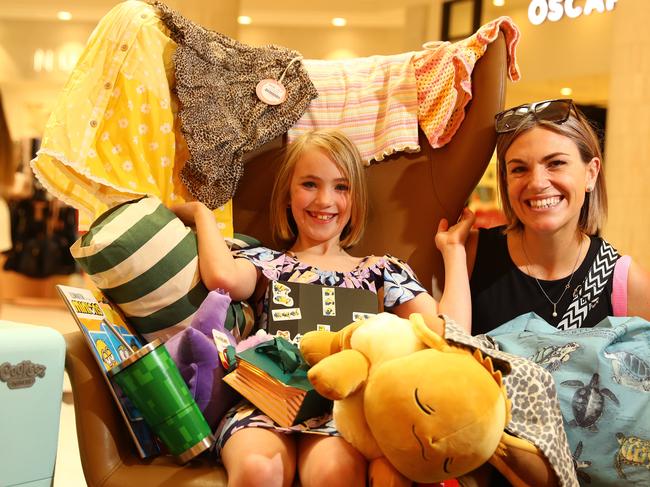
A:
<point x="196" y="355"/>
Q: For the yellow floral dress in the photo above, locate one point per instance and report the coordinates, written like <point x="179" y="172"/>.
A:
<point x="114" y="135"/>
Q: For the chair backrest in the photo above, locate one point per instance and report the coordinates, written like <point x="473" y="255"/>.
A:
<point x="409" y="193"/>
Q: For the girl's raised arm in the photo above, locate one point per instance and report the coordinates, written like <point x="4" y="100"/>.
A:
<point x="456" y="299"/>
<point x="218" y="267"/>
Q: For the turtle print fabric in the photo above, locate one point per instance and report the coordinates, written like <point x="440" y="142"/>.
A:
<point x="602" y="375"/>
<point x="536" y="415"/>
<point x="386" y="273"/>
<point x="221" y="116"/>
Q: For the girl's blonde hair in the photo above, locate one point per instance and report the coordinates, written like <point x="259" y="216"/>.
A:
<point x="580" y="131"/>
<point x="346" y="156"/>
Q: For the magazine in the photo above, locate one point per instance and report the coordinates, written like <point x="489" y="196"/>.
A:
<point x="99" y="322"/>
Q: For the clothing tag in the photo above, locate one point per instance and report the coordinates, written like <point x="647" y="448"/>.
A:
<point x="271" y="91"/>
<point x="220" y="340"/>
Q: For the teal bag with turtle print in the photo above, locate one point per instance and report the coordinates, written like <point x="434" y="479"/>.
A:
<point x="602" y="376"/>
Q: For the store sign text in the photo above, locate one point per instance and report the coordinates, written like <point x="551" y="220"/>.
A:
<point x="554" y="10"/>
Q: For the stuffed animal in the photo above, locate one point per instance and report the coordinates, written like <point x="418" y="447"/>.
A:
<point x="418" y="408"/>
<point x="199" y="361"/>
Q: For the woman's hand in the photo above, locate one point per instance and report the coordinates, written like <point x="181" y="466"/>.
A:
<point x="448" y="238"/>
<point x="187" y="211"/>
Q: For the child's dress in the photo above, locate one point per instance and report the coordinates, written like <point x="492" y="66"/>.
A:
<point x="387" y="275"/>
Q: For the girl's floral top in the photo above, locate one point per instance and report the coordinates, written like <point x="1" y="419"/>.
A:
<point x="390" y="273"/>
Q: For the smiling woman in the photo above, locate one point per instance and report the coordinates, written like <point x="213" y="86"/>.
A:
<point x="549" y="258"/>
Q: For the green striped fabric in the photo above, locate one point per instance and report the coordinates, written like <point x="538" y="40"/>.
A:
<point x="144" y="259"/>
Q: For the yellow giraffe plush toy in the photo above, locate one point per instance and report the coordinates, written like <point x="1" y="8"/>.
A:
<point x="416" y="407"/>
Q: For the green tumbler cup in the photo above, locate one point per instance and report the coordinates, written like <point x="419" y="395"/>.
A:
<point x="152" y="382"/>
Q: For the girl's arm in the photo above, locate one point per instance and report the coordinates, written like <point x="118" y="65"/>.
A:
<point x="456" y="299"/>
<point x="638" y="291"/>
<point x="217" y="266"/>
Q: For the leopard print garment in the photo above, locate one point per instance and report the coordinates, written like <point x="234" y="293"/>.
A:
<point x="221" y="116"/>
<point x="536" y="415"/>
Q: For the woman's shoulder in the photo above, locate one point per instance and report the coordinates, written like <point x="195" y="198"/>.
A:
<point x="492" y="234"/>
<point x="638" y="290"/>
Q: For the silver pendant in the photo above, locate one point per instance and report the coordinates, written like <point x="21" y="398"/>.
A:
<point x="554" y="314"/>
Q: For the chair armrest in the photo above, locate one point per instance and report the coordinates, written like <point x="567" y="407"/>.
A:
<point x="108" y="456"/>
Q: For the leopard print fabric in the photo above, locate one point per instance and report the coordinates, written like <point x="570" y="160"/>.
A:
<point x="536" y="415"/>
<point x="221" y="116"/>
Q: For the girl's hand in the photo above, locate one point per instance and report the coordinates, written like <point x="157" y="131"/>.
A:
<point x="448" y="238"/>
<point x="187" y="211"/>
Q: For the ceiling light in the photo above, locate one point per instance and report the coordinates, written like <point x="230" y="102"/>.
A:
<point x="566" y="91"/>
<point x="244" y="20"/>
<point x="339" y="22"/>
<point x="498" y="3"/>
<point x="63" y="15"/>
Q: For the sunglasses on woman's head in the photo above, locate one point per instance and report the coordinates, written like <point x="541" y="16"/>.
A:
<point x="556" y="111"/>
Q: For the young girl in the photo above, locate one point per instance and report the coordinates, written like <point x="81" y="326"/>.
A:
<point x="318" y="210"/>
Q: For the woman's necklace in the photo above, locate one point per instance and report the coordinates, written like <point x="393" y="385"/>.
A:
<point x="568" y="284"/>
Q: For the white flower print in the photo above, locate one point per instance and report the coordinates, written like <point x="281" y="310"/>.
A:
<point x="150" y="179"/>
<point x="127" y="166"/>
<point x="108" y="167"/>
<point x="132" y="184"/>
<point x="153" y="146"/>
<point x="164" y="103"/>
<point x="129" y="105"/>
<point x="143" y="128"/>
<point x="166" y="128"/>
<point x="221" y="225"/>
<point x="165" y="161"/>
<point x="105" y="136"/>
<point x="91" y="153"/>
<point x="123" y="123"/>
<point x="116" y="92"/>
<point x="145" y="108"/>
<point x="140" y="89"/>
<point x="109" y="113"/>
<point x="117" y="148"/>
<point x="135" y="140"/>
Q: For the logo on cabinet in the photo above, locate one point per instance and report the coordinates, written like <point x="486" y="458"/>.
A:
<point x="21" y="375"/>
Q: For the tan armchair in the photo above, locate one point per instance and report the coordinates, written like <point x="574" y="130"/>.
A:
<point x="409" y="194"/>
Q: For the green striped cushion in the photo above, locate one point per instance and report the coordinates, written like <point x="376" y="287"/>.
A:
<point x="144" y="259"/>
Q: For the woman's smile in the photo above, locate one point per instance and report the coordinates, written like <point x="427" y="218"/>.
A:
<point x="544" y="203"/>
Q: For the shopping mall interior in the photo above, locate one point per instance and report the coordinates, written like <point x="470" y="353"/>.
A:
<point x="596" y="52"/>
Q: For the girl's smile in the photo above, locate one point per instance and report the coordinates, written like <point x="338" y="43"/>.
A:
<point x="320" y="199"/>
